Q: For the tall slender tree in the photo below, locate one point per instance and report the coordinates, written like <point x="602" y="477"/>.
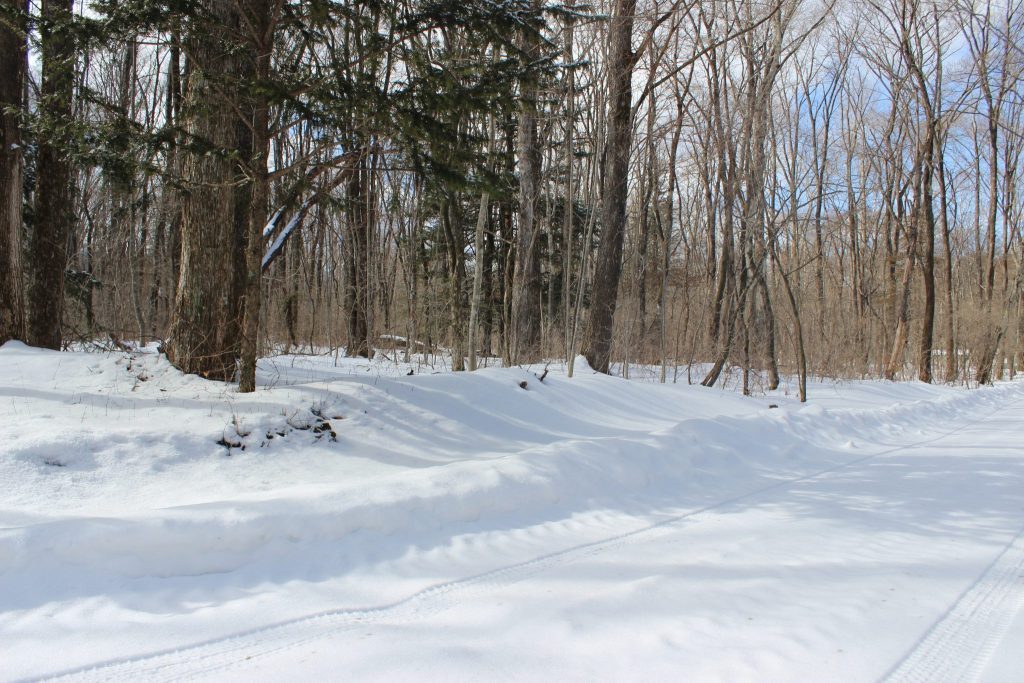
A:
<point x="259" y="25"/>
<point x="597" y="341"/>
<point x="526" y="290"/>
<point x="13" y="14"/>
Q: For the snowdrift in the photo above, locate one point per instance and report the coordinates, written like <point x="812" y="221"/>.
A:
<point x="134" y="494"/>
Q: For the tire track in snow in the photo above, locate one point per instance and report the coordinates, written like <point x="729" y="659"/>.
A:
<point x="225" y="653"/>
<point x="958" y="646"/>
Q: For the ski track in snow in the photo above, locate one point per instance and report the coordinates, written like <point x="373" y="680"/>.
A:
<point x="956" y="648"/>
<point x="959" y="645"/>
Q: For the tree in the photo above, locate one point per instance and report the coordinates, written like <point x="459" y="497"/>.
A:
<point x="53" y="214"/>
<point x="205" y="325"/>
<point x="998" y="77"/>
<point x="12" y="87"/>
<point x="525" y="339"/>
<point x="597" y="341"/>
<point x="259" y="24"/>
<point x="338" y="172"/>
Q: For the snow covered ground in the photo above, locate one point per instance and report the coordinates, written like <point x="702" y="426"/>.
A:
<point x="351" y="522"/>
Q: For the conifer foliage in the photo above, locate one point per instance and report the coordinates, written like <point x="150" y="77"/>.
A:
<point x="644" y="182"/>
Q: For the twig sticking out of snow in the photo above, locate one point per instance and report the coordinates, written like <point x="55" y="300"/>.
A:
<point x="544" y="374"/>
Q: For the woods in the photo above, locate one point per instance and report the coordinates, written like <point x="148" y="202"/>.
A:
<point x="790" y="187"/>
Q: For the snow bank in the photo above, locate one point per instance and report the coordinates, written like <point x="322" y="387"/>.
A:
<point x="134" y="490"/>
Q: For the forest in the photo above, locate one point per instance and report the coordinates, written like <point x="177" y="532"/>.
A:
<point x="776" y="187"/>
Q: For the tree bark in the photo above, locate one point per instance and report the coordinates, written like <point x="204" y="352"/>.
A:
<point x="597" y="341"/>
<point x="260" y="20"/>
<point x="947" y="252"/>
<point x="569" y="190"/>
<point x="12" y="88"/>
<point x="924" y="362"/>
<point x="357" y="257"/>
<point x="205" y="326"/>
<point x="53" y="215"/>
<point x="899" y="344"/>
<point x="450" y="220"/>
<point x="480" y="264"/>
<point x="525" y="337"/>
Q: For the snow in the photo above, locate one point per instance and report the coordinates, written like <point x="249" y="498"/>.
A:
<point x="271" y="253"/>
<point x="458" y="527"/>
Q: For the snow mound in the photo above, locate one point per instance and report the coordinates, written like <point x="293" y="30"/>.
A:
<point x="133" y="493"/>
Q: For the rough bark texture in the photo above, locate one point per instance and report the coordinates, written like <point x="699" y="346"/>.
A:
<point x="924" y="212"/>
<point x="357" y="262"/>
<point x="947" y="253"/>
<point x="205" y="325"/>
<point x="899" y="344"/>
<point x="994" y="334"/>
<point x="12" y="80"/>
<point x="478" y="279"/>
<point x="597" y="340"/>
<point x="456" y="283"/>
<point x="53" y="210"/>
<point x="569" y="325"/>
<point x="924" y="357"/>
<point x="525" y="341"/>
<point x="260" y="43"/>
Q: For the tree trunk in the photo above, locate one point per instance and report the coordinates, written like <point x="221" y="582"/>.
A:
<point x="598" y="336"/>
<point x="666" y="226"/>
<point x="569" y="202"/>
<point x="204" y="337"/>
<point x="899" y="344"/>
<point x="450" y="220"/>
<point x="525" y="337"/>
<point x="12" y="88"/>
<point x="479" y="262"/>
<point x="947" y="252"/>
<point x="357" y="256"/>
<point x="53" y="211"/>
<point x="928" y="271"/>
<point x="259" y="46"/>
